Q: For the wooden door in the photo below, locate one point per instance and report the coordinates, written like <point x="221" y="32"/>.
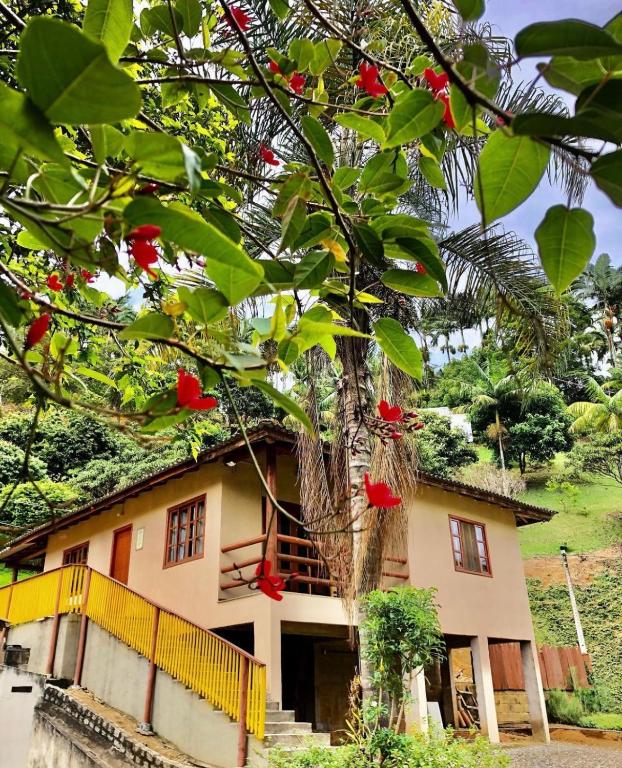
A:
<point x="121" y="548"/>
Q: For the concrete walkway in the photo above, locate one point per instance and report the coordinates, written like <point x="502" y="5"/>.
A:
<point x="558" y="755"/>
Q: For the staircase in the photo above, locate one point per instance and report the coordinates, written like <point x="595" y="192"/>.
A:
<point x="283" y="730"/>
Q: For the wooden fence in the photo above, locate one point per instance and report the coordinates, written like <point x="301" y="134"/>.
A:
<point x="562" y="667"/>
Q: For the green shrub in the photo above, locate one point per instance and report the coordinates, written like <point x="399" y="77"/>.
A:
<point x="607" y="720"/>
<point x="563" y="707"/>
<point x="417" y="751"/>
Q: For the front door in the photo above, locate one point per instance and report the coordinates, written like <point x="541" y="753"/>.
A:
<point x="121" y="548"/>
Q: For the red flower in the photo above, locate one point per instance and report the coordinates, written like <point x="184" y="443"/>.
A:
<point x="380" y="495"/>
<point x="297" y="83"/>
<point x="274" y="67"/>
<point x="396" y="435"/>
<point x="241" y="18"/>
<point x="390" y="412"/>
<point x="69" y="280"/>
<point x="420" y="268"/>
<point x="53" y="283"/>
<point x="436" y="82"/>
<point x="189" y="393"/>
<point x="38" y="329"/>
<point x="267" y="155"/>
<point x="368" y="80"/>
<point x="89" y="277"/>
<point x="149" y="189"/>
<point x="144" y="254"/>
<point x="419" y="425"/>
<point x="145" y="232"/>
<point x="448" y="118"/>
<point x="271" y="586"/>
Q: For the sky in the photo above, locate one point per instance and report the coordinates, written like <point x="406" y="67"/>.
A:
<point x="508" y="17"/>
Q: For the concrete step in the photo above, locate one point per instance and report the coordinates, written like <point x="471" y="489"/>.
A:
<point x="271" y="706"/>
<point x="297" y="740"/>
<point x="280" y="715"/>
<point x="280" y="726"/>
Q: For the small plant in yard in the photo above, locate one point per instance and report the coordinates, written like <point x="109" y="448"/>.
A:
<point x="609" y="721"/>
<point x="399" y="751"/>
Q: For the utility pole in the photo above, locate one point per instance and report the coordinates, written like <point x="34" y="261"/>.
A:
<point x="573" y="603"/>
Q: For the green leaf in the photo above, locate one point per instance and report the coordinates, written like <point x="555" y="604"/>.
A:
<point x="153" y="325"/>
<point x="111" y="22"/>
<point x="568" y="37"/>
<point x="9" y="305"/>
<point x="302" y="51"/>
<point x="346" y="176"/>
<point x="566" y="243"/>
<point x="293" y="221"/>
<point x="319" y="139"/>
<point x="231" y="99"/>
<point x="70" y="77"/>
<point x="286" y="403"/>
<point x="235" y="274"/>
<point x="326" y="53"/>
<point x="364" y="126"/>
<point x="106" y="141"/>
<point x="280" y="8"/>
<point x="470" y="10"/>
<point x="159" y="19"/>
<point x="164" y="157"/>
<point x="96" y="376"/>
<point x="431" y="172"/>
<point x="572" y="75"/>
<point x="313" y="269"/>
<point x="370" y="244"/>
<point x="603" y="101"/>
<point x="205" y="305"/>
<point x="398" y="346"/>
<point x="190" y="11"/>
<point x="607" y="173"/>
<point x="414" y="114"/>
<point x="30" y="130"/>
<point x="385" y="173"/>
<point x="589" y="123"/>
<point x="510" y="168"/>
<point x="410" y="282"/>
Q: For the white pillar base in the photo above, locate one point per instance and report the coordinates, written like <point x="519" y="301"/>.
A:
<point x="416" y="710"/>
<point x="535" y="694"/>
<point x="482" y="674"/>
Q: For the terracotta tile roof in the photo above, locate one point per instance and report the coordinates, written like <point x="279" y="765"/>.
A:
<point x="32" y="543"/>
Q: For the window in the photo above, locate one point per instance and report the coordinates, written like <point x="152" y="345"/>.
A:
<point x="76" y="555"/>
<point x="185" y="532"/>
<point x="470" y="548"/>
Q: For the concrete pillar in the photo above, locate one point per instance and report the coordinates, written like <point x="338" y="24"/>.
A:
<point x="416" y="710"/>
<point x="533" y="688"/>
<point x="482" y="675"/>
<point x="268" y="649"/>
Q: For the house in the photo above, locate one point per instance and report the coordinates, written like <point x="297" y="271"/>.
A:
<point x="167" y="554"/>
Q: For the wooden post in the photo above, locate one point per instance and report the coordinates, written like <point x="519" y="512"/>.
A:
<point x="242" y="734"/>
<point x="271" y="481"/>
<point x="77" y="675"/>
<point x="145" y="726"/>
<point x="49" y="669"/>
<point x="14" y="574"/>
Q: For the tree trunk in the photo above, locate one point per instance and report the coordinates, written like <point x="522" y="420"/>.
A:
<point x="504" y="483"/>
<point x="354" y="396"/>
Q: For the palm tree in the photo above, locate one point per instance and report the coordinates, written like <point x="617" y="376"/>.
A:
<point x="602" y="283"/>
<point x="495" y="392"/>
<point x="601" y="413"/>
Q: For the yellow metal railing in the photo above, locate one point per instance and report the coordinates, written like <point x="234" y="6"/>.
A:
<point x="198" y="658"/>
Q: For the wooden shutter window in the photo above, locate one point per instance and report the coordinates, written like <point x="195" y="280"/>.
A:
<point x="470" y="546"/>
<point x="77" y="555"/>
<point x="185" y="532"/>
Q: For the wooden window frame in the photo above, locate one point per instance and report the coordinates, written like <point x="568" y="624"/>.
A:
<point x="74" y="549"/>
<point x="169" y="513"/>
<point x="462" y="569"/>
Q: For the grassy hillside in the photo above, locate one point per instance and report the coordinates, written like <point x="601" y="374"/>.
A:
<point x="589" y="515"/>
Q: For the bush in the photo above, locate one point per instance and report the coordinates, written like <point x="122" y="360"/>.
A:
<point x="441" y="448"/>
<point x="12" y="462"/>
<point x="417" y="751"/>
<point x="609" y="721"/>
<point x="26" y="507"/>
<point x="563" y="707"/>
<point x="490" y="478"/>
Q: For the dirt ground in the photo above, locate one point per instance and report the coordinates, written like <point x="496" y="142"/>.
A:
<point x="582" y="566"/>
<point x="569" y="748"/>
